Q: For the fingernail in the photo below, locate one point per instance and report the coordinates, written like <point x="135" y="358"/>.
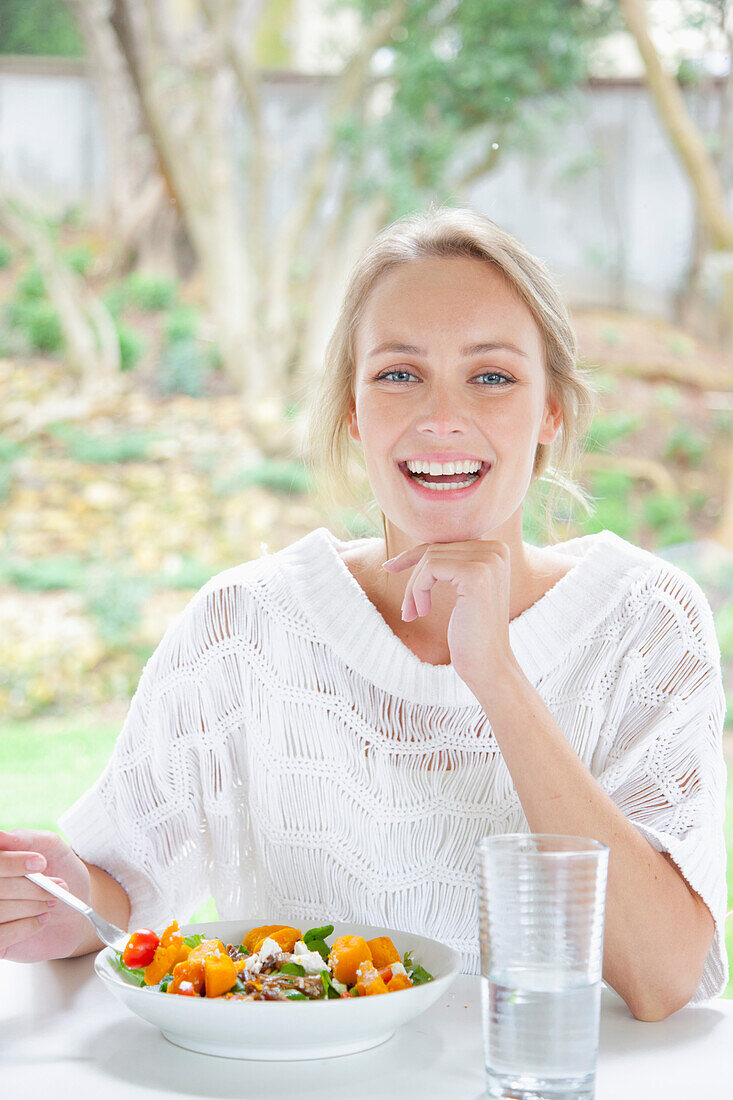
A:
<point x="51" y="904"/>
<point x="43" y="917"/>
<point x="35" y="863"/>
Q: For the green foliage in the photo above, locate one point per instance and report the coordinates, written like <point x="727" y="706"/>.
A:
<point x="284" y="478"/>
<point x="6" y="255"/>
<point x="667" y="397"/>
<point x="184" y="368"/>
<point x="43" y="574"/>
<point x="130" y="447"/>
<point x="724" y="630"/>
<point x="148" y="291"/>
<point x="687" y="446"/>
<point x="114" y="300"/>
<point x="115" y="598"/>
<point x="191" y="573"/>
<point x="608" y="428"/>
<point x="661" y="509"/>
<point x="132" y="345"/>
<point x="43" y="327"/>
<point x="30" y="286"/>
<point x="459" y="70"/>
<point x="614" y="507"/>
<point x="182" y="323"/>
<point x="38" y="27"/>
<point x="80" y="258"/>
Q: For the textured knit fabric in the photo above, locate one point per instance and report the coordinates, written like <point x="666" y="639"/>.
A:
<point x="286" y="753"/>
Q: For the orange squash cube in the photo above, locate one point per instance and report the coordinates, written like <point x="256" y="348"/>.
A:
<point x="261" y="933"/>
<point x="286" y="937"/>
<point x="188" y="978"/>
<point x="383" y="951"/>
<point x="346" y="955"/>
<point x="368" y="981"/>
<point x="399" y="981"/>
<point x="220" y="974"/>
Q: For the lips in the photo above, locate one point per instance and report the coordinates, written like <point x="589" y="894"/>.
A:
<point x="448" y="494"/>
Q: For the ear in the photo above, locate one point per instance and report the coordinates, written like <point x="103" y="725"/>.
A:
<point x="353" y="427"/>
<point x="551" y="420"/>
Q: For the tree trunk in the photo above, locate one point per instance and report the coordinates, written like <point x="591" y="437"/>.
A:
<point x="682" y="131"/>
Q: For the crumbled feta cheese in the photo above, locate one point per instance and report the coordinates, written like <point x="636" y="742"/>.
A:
<point x="397" y="968"/>
<point x="269" y="947"/>
<point x="340" y="987"/>
<point x="311" y="961"/>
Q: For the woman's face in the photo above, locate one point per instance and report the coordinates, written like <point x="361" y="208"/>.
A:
<point x="464" y="378"/>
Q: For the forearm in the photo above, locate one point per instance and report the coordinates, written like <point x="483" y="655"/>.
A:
<point x="110" y="901"/>
<point x="657" y="931"/>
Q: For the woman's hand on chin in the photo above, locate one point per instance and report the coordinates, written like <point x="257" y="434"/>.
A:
<point x="478" y="631"/>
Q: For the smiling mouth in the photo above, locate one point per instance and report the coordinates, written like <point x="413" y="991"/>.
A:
<point x="445" y="482"/>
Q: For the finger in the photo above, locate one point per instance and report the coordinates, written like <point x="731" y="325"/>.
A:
<point x="18" y="930"/>
<point x="17" y="863"/>
<point x="405" y="558"/>
<point x="23" y="888"/>
<point x="16" y="909"/>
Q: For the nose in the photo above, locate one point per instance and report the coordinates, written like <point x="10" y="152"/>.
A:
<point x="441" y="413"/>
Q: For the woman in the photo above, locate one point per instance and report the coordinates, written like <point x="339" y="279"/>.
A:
<point x="325" y="732"/>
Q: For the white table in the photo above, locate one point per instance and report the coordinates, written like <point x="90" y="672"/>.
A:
<point x="64" y="1036"/>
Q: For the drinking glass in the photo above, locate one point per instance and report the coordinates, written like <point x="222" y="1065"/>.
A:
<point x="541" y="903"/>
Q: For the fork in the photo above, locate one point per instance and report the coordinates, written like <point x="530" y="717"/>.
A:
<point x="108" y="933"/>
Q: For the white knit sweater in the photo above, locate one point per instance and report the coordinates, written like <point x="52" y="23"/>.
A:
<point x="286" y="753"/>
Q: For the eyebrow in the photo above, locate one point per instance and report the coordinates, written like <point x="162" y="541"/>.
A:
<point x="470" y="349"/>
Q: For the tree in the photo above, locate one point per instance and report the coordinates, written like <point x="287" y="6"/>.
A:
<point x="701" y="170"/>
<point x="421" y="107"/>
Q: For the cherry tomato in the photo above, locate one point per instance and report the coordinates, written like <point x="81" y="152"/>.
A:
<point x="140" y="948"/>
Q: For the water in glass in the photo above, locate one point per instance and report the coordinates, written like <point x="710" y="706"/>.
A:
<point x="541" y="1028"/>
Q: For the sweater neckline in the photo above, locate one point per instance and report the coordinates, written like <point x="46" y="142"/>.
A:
<point x="540" y="636"/>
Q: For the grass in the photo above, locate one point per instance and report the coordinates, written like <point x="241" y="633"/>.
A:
<point x="48" y="763"/>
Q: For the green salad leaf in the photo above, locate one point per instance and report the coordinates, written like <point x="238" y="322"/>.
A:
<point x="317" y="933"/>
<point x="292" y="968"/>
<point x="195" y="940"/>
<point x="315" y="940"/>
<point x="330" y="993"/>
<point x="417" y="974"/>
<point x="137" y="974"/>
<point x="294" y="996"/>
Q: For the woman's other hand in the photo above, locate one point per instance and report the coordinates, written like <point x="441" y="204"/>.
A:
<point x="33" y="925"/>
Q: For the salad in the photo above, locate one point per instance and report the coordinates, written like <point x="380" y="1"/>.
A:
<point x="273" y="963"/>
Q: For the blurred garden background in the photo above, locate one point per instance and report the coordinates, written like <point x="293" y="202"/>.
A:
<point x="184" y="185"/>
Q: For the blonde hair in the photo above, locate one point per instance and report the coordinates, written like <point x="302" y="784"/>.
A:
<point x="448" y="231"/>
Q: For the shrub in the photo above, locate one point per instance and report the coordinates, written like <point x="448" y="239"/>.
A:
<point x="115" y="600"/>
<point x="132" y="345"/>
<point x="43" y="574"/>
<point x="686" y="445"/>
<point x="182" y="323"/>
<point x="285" y="478"/>
<point x="607" y="429"/>
<point x="80" y="258"/>
<point x="6" y="255"/>
<point x="30" y="286"/>
<point x="149" y="291"/>
<point x="183" y="368"/>
<point x="44" y="328"/>
<point x="114" y="300"/>
<point x="89" y="448"/>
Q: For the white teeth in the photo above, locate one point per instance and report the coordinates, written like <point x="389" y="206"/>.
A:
<point x="443" y="485"/>
<point x="468" y="466"/>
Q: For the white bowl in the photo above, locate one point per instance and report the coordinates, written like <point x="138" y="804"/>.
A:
<point x="287" y="1030"/>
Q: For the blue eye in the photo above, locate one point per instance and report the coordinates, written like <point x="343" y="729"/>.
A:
<point x="387" y="373"/>
<point x="493" y="374"/>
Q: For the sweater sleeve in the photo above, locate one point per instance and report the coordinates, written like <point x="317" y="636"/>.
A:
<point x="153" y="820"/>
<point x="665" y="767"/>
